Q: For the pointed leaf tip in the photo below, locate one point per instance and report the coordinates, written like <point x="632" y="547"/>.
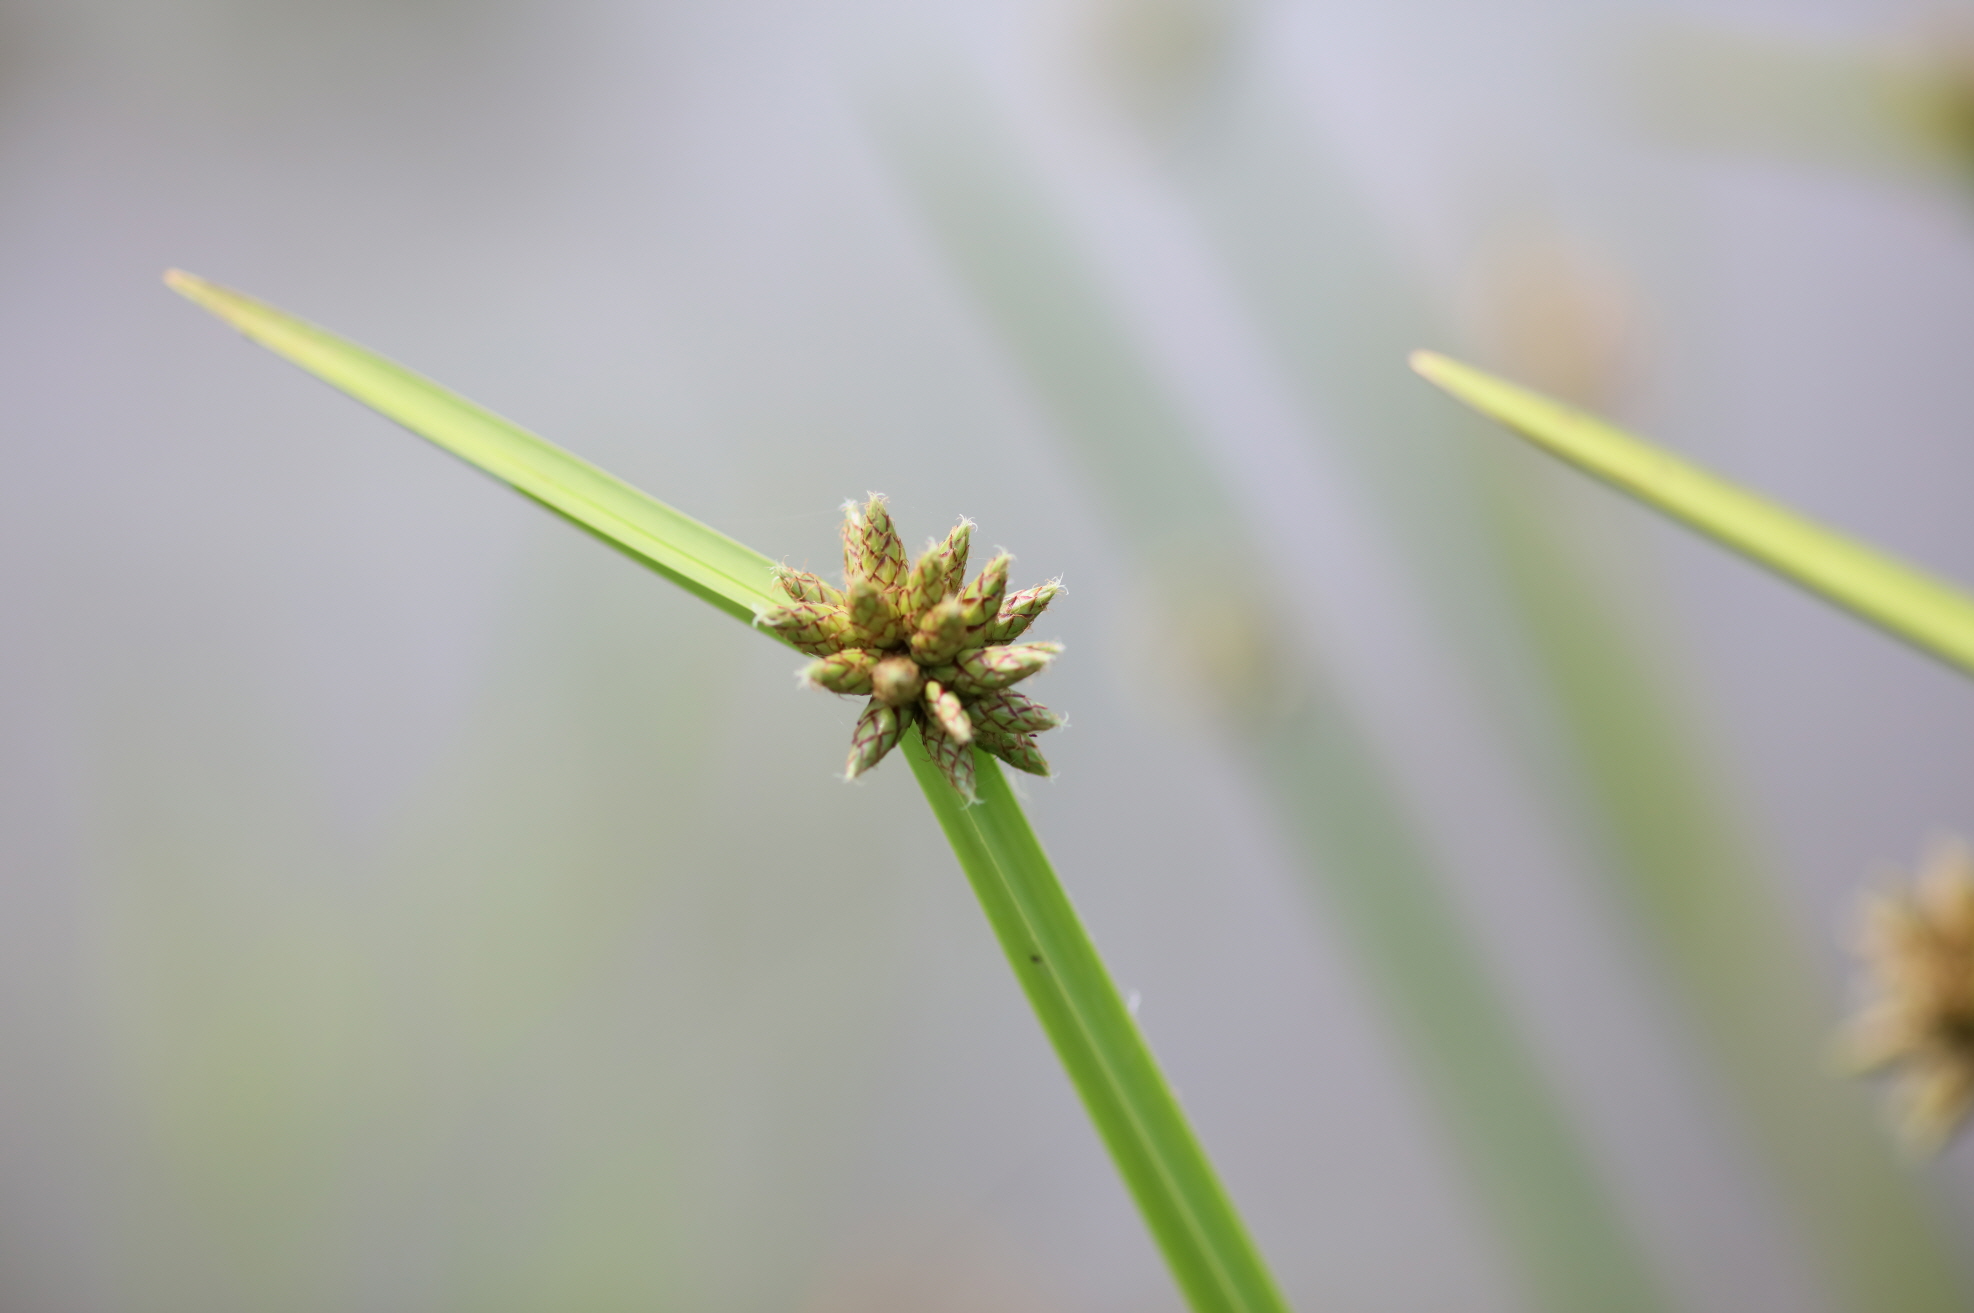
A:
<point x="192" y="287"/>
<point x="1426" y="364"/>
<point x="731" y="576"/>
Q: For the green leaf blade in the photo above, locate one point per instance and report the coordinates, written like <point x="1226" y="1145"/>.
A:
<point x="1905" y="602"/>
<point x="1162" y="1162"/>
<point x="702" y="560"/>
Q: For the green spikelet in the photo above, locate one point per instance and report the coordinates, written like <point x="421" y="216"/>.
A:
<point x="932" y="577"/>
<point x="896" y="681"/>
<point x="952" y="556"/>
<point x="953" y="758"/>
<point x="882" y="552"/>
<point x="801" y="586"/>
<point x="1017" y="750"/>
<point x="1018" y="611"/>
<point x="923" y="644"/>
<point x="848" y="671"/>
<point x="813" y="627"/>
<point x="923" y="588"/>
<point x="980" y="601"/>
<point x="939" y="634"/>
<point x="941" y="705"/>
<point x="877" y="733"/>
<point x="1013" y="713"/>
<point x="873" y="622"/>
<point x="985" y="669"/>
<point x="853" y="544"/>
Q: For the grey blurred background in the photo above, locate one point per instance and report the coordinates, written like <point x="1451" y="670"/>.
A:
<point x="406" y="904"/>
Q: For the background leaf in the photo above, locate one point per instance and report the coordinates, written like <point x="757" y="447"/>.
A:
<point x="1929" y="614"/>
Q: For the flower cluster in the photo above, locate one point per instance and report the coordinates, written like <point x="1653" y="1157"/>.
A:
<point x="1918" y="950"/>
<point x="929" y="648"/>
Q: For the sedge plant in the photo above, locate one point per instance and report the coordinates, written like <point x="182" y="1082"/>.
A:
<point x="1918" y="941"/>
<point x="956" y="758"/>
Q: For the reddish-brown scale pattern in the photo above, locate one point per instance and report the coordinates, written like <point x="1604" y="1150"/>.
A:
<point x="945" y="708"/>
<point x="874" y="621"/>
<point x="801" y="586"/>
<point x="843" y="672"/>
<point x="985" y="669"/>
<point x="1018" y="611"/>
<point x="812" y="627"/>
<point x="940" y="634"/>
<point x="980" y="601"/>
<point x="882" y="552"/>
<point x="1013" y="713"/>
<point x="877" y="732"/>
<point x="953" y="758"/>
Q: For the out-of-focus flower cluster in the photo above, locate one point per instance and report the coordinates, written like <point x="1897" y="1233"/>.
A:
<point x="1918" y="1018"/>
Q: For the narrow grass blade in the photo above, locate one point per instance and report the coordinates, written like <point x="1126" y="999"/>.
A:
<point x="1929" y="614"/>
<point x="1190" y="1215"/>
<point x="701" y="560"/>
<point x="1214" y="1261"/>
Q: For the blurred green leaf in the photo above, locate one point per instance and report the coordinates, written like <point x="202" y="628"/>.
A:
<point x="1929" y="614"/>
<point x="1572" y="662"/>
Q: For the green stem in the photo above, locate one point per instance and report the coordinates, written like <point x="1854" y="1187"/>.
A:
<point x="1184" y="1204"/>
